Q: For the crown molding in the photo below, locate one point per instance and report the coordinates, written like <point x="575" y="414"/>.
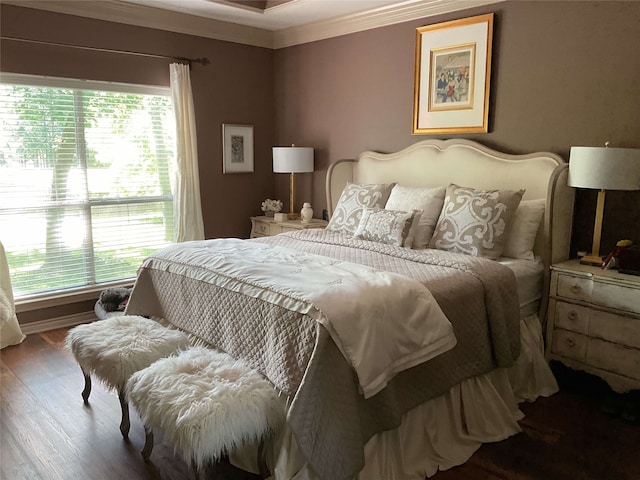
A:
<point x="215" y="29"/>
<point x="143" y="16"/>
<point x="404" y="12"/>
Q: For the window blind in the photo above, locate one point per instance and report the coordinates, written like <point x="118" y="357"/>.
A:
<point x="85" y="189"/>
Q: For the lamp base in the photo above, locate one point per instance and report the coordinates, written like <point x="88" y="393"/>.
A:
<point x="293" y="216"/>
<point x="591" y="260"/>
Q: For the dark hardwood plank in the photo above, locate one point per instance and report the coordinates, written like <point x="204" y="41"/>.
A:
<point x="48" y="433"/>
<point x="35" y="433"/>
<point x="564" y="437"/>
<point x="15" y="462"/>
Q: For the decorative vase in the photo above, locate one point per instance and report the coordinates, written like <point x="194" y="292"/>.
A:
<point x="306" y="213"/>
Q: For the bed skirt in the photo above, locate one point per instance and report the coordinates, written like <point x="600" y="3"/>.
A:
<point x="443" y="432"/>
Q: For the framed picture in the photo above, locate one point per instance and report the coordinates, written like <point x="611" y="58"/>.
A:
<point x="453" y="69"/>
<point x="237" y="148"/>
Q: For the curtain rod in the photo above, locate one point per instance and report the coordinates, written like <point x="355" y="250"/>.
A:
<point x="186" y="60"/>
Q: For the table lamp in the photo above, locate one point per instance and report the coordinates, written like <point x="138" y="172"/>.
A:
<point x="292" y="160"/>
<point x="603" y="168"/>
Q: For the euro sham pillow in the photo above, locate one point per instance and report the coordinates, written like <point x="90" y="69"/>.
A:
<point x="429" y="200"/>
<point x="390" y="227"/>
<point x="355" y="197"/>
<point x="475" y="222"/>
<point x="524" y="229"/>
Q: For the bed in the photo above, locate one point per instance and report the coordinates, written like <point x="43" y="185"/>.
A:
<point x="431" y="406"/>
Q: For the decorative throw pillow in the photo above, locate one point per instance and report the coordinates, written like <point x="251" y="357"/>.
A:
<point x="355" y="197"/>
<point x="524" y="229"/>
<point x="386" y="226"/>
<point x="429" y="200"/>
<point x="475" y="222"/>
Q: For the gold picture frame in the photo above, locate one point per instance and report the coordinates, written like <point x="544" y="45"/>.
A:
<point x="452" y="76"/>
<point x="237" y="148"/>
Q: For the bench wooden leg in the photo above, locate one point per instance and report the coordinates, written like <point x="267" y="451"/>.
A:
<point x="87" y="387"/>
<point x="148" y="443"/>
<point x="263" y="469"/>
<point x="124" y="424"/>
<point x="198" y="473"/>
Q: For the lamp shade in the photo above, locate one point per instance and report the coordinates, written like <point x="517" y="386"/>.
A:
<point x="604" y="168"/>
<point x="292" y="159"/>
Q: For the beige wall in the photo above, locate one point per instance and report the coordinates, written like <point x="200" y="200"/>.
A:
<point x="564" y="73"/>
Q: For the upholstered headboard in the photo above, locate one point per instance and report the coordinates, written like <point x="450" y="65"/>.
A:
<point x="433" y="163"/>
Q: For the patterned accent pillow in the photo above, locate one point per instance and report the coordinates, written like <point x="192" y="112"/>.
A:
<point x="355" y="197"/>
<point x="429" y="200"/>
<point x="475" y="222"/>
<point x="386" y="226"/>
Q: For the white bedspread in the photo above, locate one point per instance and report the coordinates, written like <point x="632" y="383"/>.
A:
<point x="382" y="322"/>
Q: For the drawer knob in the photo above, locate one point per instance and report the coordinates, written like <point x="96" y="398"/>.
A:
<point x="571" y="342"/>
<point x="576" y="289"/>
<point x="572" y="315"/>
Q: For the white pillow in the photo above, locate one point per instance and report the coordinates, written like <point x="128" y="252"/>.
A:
<point x="429" y="200"/>
<point x="354" y="197"/>
<point x="386" y="226"/>
<point x="524" y="229"/>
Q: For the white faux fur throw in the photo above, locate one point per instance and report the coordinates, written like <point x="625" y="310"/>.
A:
<point x="206" y="402"/>
<point x="115" y="348"/>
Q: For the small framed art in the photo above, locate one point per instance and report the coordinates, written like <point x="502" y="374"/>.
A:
<point x="237" y="148"/>
<point x="452" y="73"/>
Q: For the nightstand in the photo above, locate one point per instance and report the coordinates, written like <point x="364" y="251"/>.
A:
<point x="594" y="323"/>
<point x="267" y="226"/>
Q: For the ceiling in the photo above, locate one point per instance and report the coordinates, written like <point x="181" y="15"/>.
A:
<point x="270" y="14"/>
<point x="263" y="23"/>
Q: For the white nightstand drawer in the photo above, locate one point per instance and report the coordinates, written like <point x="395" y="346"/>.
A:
<point x="275" y="229"/>
<point x="261" y="229"/>
<point x="599" y="293"/>
<point x="615" y="328"/>
<point x="614" y="358"/>
<point x="617" y="296"/>
<point x="572" y="317"/>
<point x="574" y="288"/>
<point x="570" y="344"/>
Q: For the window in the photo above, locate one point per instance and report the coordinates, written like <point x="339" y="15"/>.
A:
<point x="85" y="188"/>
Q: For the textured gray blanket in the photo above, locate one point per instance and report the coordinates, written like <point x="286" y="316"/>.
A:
<point x="330" y="419"/>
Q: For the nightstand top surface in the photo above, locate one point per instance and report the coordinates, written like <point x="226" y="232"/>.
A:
<point x="575" y="267"/>
<point x="314" y="221"/>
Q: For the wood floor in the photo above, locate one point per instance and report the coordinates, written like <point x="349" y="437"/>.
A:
<point x="47" y="433"/>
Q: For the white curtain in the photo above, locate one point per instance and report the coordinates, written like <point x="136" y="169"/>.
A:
<point x="10" y="333"/>
<point x="188" y="224"/>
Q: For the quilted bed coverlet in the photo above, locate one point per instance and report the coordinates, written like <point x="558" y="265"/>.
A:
<point x="382" y="322"/>
<point x="329" y="415"/>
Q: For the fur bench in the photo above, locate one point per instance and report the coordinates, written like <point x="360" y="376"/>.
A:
<point x="113" y="349"/>
<point x="207" y="403"/>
